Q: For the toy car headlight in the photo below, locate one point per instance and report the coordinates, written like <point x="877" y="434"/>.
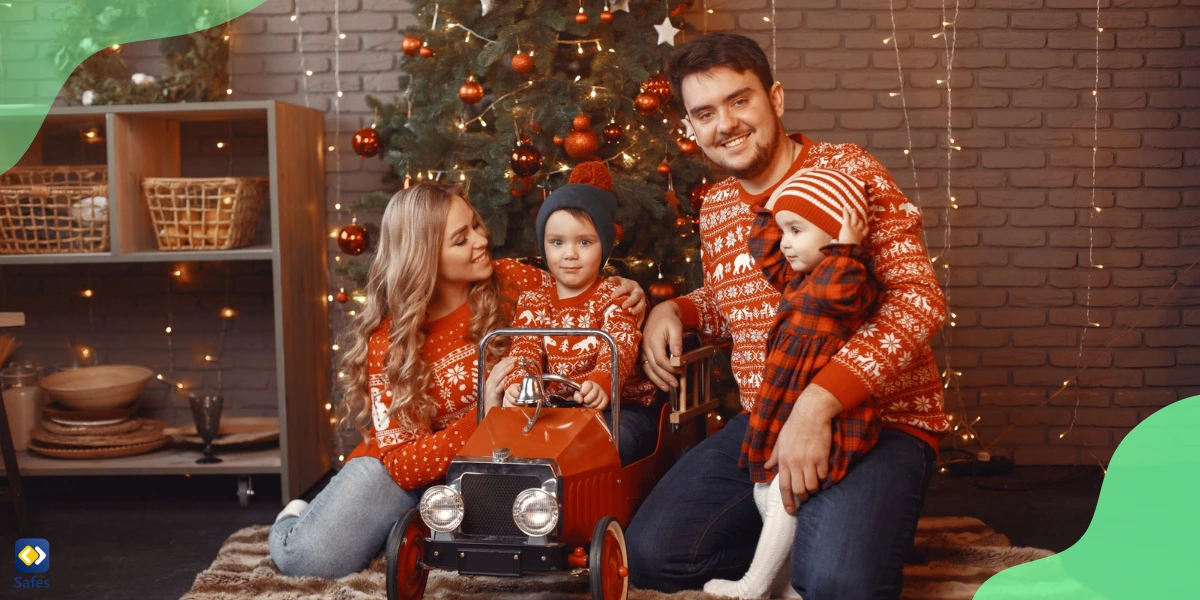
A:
<point x="535" y="512"/>
<point x="442" y="508"/>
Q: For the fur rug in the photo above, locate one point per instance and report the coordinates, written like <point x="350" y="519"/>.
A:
<point x="961" y="553"/>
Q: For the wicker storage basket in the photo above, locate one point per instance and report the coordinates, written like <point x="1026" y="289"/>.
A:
<point x="204" y="213"/>
<point x="56" y="176"/>
<point x="43" y="219"/>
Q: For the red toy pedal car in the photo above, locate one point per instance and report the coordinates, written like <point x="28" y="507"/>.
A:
<point x="543" y="492"/>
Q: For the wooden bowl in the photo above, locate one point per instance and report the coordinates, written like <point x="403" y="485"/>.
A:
<point x="97" y="388"/>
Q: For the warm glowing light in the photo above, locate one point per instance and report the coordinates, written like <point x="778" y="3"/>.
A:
<point x="168" y="329"/>
<point x="228" y="91"/>
<point x="335" y="347"/>
<point x="220" y="144"/>
<point x="87" y="293"/>
<point x="227" y="312"/>
<point x="115" y="46"/>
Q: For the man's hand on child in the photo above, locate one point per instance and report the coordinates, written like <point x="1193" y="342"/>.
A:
<point x="854" y="229"/>
<point x="591" y="395"/>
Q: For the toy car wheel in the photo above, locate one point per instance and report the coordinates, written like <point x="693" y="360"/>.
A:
<point x="608" y="562"/>
<point x="406" y="572"/>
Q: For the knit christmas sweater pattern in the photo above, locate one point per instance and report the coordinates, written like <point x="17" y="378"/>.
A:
<point x="889" y="357"/>
<point x="417" y="456"/>
<point x="582" y="358"/>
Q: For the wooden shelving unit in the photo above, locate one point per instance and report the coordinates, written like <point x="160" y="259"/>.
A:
<point x="144" y="141"/>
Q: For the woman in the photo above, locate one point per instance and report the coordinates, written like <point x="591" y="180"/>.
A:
<point x="410" y="376"/>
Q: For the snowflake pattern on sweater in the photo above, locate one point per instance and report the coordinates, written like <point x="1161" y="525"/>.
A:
<point x="582" y="358"/>
<point x="889" y="357"/>
<point x="416" y="456"/>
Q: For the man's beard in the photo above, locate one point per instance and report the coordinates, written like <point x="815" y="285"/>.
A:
<point x="759" y="162"/>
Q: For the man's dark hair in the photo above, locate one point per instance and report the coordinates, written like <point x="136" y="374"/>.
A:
<point x="737" y="52"/>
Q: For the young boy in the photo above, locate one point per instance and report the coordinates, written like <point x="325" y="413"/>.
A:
<point x="811" y="253"/>
<point x="575" y="227"/>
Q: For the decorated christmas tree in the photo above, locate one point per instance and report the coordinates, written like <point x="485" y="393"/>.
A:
<point x="504" y="98"/>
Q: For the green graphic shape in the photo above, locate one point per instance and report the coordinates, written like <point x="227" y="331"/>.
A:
<point x="1142" y="542"/>
<point x="37" y="52"/>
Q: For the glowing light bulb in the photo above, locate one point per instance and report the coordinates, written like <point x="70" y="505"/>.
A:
<point x="168" y="329"/>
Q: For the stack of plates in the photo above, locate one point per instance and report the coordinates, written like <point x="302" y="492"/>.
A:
<point x="108" y="433"/>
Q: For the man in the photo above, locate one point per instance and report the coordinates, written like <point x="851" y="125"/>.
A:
<point x="700" y="522"/>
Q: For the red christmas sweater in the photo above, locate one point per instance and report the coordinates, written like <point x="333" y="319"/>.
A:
<point x="416" y="456"/>
<point x="889" y="357"/>
<point x="582" y="358"/>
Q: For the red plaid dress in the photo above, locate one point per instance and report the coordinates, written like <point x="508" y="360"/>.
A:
<point x="817" y="314"/>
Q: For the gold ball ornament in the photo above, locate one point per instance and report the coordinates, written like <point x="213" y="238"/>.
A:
<point x="687" y="145"/>
<point x="558" y="140"/>
<point x="647" y="104"/>
<point x="525" y="160"/>
<point x="342" y="297"/>
<point x="353" y="239"/>
<point x="411" y="45"/>
<point x="365" y="142"/>
<point x="470" y="92"/>
<point x="426" y="52"/>
<point x="664" y="169"/>
<point x="581" y="122"/>
<point x="522" y="63"/>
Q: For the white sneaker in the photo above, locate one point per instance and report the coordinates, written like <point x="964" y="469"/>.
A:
<point x="292" y="509"/>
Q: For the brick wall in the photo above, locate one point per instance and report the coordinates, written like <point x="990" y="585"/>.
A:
<point x="124" y="322"/>
<point x="1022" y="113"/>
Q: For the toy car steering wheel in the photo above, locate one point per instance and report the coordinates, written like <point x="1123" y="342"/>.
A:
<point x="556" y="401"/>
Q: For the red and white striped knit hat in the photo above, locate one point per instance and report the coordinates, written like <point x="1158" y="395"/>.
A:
<point x="818" y="195"/>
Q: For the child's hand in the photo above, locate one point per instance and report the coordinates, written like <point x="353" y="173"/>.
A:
<point x="591" y="395"/>
<point x="510" y="395"/>
<point x="853" y="228"/>
<point x="494" y="394"/>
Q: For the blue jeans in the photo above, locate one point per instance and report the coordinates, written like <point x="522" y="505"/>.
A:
<point x="639" y="431"/>
<point x="700" y="522"/>
<point x="345" y="526"/>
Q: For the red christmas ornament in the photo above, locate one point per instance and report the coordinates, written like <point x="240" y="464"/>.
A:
<point x="606" y="17"/>
<point x="664" y="169"/>
<point x="681" y="223"/>
<point x="470" y="91"/>
<point x="411" y="45"/>
<point x="522" y="63"/>
<point x="342" y="297"/>
<point x="526" y="160"/>
<point x="612" y="132"/>
<point x="581" y="17"/>
<point x="620" y="231"/>
<point x="678" y="9"/>
<point x="353" y="239"/>
<point x="687" y="145"/>
<point x="558" y="140"/>
<point x="581" y="143"/>
<point x="659" y="86"/>
<point x="365" y="142"/>
<point x="671" y="199"/>
<point x="426" y="52"/>
<point x="661" y="291"/>
<point x="647" y="104"/>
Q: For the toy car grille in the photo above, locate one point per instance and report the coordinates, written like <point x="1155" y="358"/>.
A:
<point x="488" y="501"/>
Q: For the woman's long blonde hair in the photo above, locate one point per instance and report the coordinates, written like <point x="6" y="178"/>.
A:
<point x="400" y="284"/>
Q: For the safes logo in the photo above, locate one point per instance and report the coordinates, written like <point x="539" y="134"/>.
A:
<point x="32" y="555"/>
